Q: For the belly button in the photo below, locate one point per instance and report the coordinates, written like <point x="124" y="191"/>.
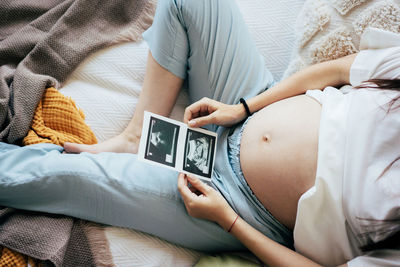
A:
<point x="265" y="138"/>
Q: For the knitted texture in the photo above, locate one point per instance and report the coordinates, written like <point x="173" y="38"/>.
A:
<point x="382" y="15"/>
<point x="313" y="21"/>
<point x="58" y="120"/>
<point x="9" y="258"/>
<point x="335" y="45"/>
<point x="42" y="42"/>
<point x="330" y="29"/>
<point x="344" y="6"/>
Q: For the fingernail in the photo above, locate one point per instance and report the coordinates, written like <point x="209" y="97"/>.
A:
<point x="192" y="123"/>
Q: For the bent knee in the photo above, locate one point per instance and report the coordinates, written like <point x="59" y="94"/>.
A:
<point x="186" y="10"/>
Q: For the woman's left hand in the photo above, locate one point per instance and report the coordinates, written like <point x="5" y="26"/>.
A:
<point x="209" y="111"/>
<point x="203" y="201"/>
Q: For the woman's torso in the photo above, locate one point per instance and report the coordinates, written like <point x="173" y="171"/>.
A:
<point x="278" y="154"/>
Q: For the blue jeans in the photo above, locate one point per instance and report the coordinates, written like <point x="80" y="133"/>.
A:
<point x="204" y="41"/>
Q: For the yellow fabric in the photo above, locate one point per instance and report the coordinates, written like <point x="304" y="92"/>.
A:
<point x="58" y="120"/>
<point x="224" y="260"/>
<point x="10" y="258"/>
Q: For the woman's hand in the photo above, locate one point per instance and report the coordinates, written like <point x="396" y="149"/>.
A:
<point x="208" y="111"/>
<point x="203" y="201"/>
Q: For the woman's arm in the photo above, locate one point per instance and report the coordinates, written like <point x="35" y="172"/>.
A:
<point x="329" y="73"/>
<point x="318" y="76"/>
<point x="267" y="250"/>
<point x="202" y="201"/>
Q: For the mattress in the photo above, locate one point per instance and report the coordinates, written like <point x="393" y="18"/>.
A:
<point x="106" y="86"/>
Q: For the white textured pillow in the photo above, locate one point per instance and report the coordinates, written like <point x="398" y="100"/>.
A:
<point x="329" y="29"/>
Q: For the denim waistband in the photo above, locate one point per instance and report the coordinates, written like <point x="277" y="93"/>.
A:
<point x="234" y="141"/>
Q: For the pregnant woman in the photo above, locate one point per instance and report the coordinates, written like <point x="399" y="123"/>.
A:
<point x="318" y="165"/>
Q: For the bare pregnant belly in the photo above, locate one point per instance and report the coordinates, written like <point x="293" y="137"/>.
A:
<point x="278" y="154"/>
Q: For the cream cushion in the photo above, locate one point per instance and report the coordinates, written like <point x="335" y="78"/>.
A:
<point x="329" y="29"/>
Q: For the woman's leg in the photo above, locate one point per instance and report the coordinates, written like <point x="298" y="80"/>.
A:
<point x="207" y="42"/>
<point x="159" y="92"/>
<point x="110" y="188"/>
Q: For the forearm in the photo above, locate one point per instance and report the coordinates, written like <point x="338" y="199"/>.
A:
<point x="267" y="250"/>
<point x="208" y="204"/>
<point x="319" y="76"/>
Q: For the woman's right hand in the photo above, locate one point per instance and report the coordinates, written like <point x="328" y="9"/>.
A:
<point x="203" y="201"/>
<point x="209" y="111"/>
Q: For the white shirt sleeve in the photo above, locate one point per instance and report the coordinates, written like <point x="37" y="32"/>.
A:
<point x="375" y="64"/>
<point x="383" y="257"/>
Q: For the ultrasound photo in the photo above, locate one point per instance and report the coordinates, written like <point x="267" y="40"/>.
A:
<point x="172" y="144"/>
<point x="199" y="153"/>
<point x="162" y="142"/>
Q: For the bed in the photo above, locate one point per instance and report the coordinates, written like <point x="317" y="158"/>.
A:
<point x="116" y="74"/>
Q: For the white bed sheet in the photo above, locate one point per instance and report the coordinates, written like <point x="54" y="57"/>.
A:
<point x="107" y="85"/>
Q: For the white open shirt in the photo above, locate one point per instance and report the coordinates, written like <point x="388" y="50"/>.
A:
<point x="358" y="139"/>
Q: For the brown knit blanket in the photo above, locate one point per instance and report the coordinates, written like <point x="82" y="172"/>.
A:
<point x="54" y="240"/>
<point x="41" y="43"/>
